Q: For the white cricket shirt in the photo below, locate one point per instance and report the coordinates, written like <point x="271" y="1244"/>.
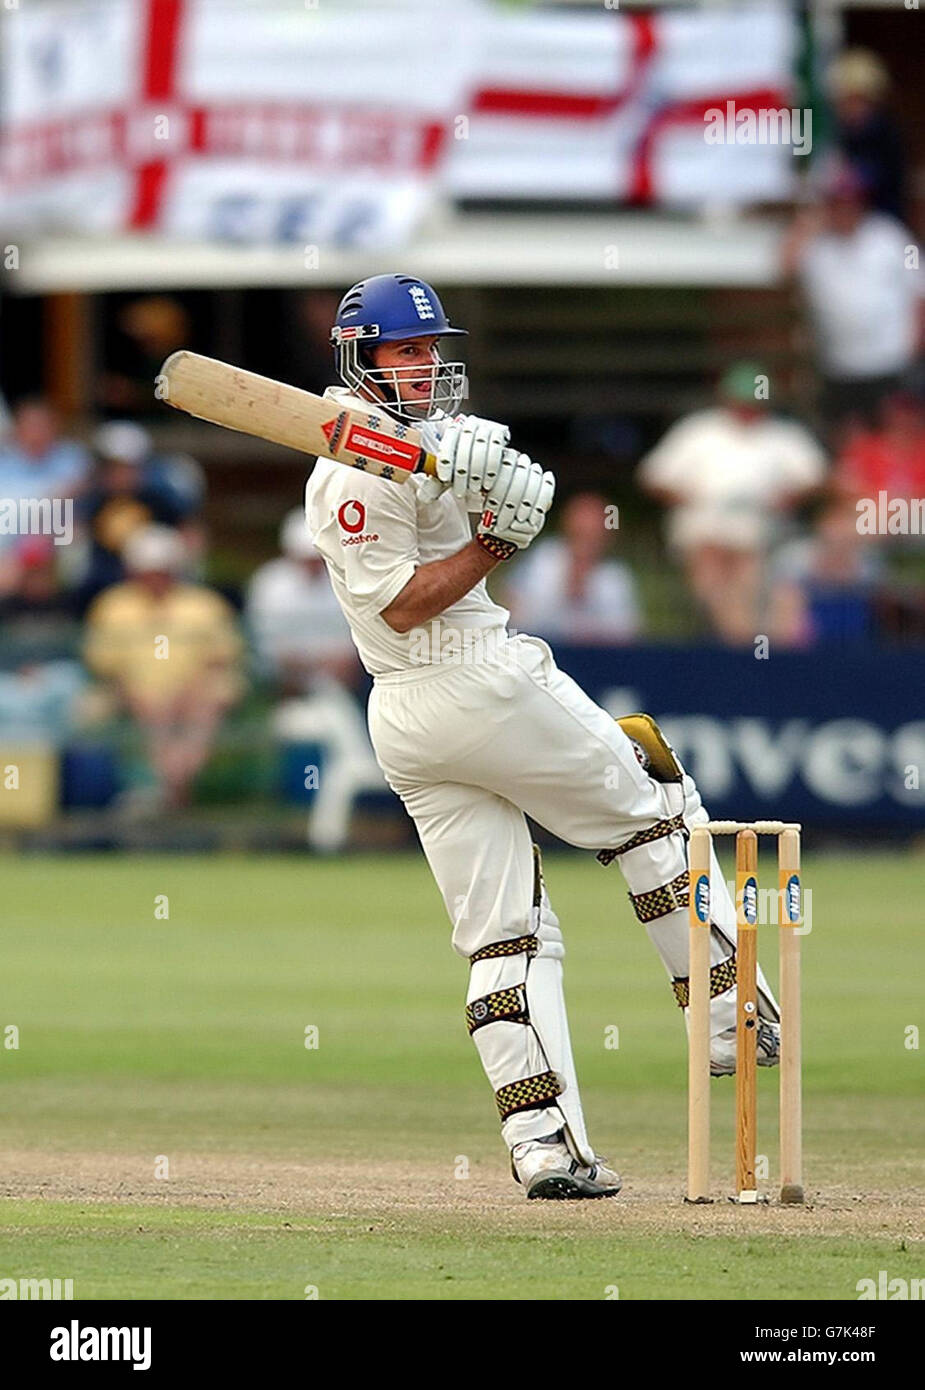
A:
<point x="373" y="535"/>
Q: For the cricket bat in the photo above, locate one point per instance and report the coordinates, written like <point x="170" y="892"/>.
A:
<point x="225" y="395"/>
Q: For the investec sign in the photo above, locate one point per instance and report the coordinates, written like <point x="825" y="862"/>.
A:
<point x="833" y="735"/>
<point x="845" y="762"/>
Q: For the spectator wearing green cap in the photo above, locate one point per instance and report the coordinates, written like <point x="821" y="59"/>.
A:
<point x="728" y="475"/>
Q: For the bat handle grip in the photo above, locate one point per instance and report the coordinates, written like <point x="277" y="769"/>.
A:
<point x="428" y="465"/>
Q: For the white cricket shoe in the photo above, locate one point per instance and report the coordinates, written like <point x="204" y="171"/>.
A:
<point x="547" y="1169"/>
<point x="723" y="1048"/>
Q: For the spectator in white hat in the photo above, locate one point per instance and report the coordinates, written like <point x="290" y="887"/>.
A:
<point x="132" y="489"/>
<point x="171" y="653"/>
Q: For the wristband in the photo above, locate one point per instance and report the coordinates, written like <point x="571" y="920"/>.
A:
<point x="501" y="550"/>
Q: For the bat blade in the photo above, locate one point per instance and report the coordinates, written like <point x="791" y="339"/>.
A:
<point x="251" y="404"/>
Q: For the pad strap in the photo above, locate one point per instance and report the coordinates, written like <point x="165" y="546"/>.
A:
<point x="658" y="902"/>
<point x="532" y="1093"/>
<point x="722" y="977"/>
<point x="505" y="1006"/>
<point x="516" y="946"/>
<point x="658" y="831"/>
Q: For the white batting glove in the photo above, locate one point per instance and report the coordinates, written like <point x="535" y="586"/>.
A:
<point x="516" y="507"/>
<point x="468" y="459"/>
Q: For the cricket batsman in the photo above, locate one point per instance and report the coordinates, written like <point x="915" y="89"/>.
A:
<point x="476" y="729"/>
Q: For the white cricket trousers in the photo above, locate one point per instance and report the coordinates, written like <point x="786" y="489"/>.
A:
<point x="472" y="749"/>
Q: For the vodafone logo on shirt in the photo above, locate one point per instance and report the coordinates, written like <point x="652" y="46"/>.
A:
<point x="351" y="516"/>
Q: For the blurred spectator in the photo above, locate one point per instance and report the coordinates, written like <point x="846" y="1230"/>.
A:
<point x="865" y="292"/>
<point x="882" y="475"/>
<point x="131" y="488"/>
<point x="890" y="458"/>
<point x="865" y="132"/>
<point x="151" y="328"/>
<point x="183" y="478"/>
<point x="40" y="704"/>
<point x="171" y="654"/>
<point x="824" y="585"/>
<point x="40" y="701"/>
<point x="36" y="461"/>
<point x="569" y="589"/>
<point x="303" y="644"/>
<point x="296" y="624"/>
<point x="727" y="474"/>
<point x="39" y="605"/>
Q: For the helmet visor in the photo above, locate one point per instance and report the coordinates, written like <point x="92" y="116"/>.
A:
<point x="421" y="391"/>
<point x="413" y="393"/>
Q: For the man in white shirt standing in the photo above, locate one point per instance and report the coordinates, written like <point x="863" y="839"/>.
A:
<point x="865" y="290"/>
<point x="727" y="474"/>
<point x="475" y="730"/>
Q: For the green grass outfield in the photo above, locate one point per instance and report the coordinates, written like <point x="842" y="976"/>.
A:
<point x="370" y="1166"/>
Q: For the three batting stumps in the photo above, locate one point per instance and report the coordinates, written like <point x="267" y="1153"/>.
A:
<point x="789" y="917"/>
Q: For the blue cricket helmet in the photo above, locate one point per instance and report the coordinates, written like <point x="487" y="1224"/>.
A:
<point x="391" y="308"/>
<point x="387" y="308"/>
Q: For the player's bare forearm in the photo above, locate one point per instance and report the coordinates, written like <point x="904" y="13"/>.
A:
<point x="436" y="586"/>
